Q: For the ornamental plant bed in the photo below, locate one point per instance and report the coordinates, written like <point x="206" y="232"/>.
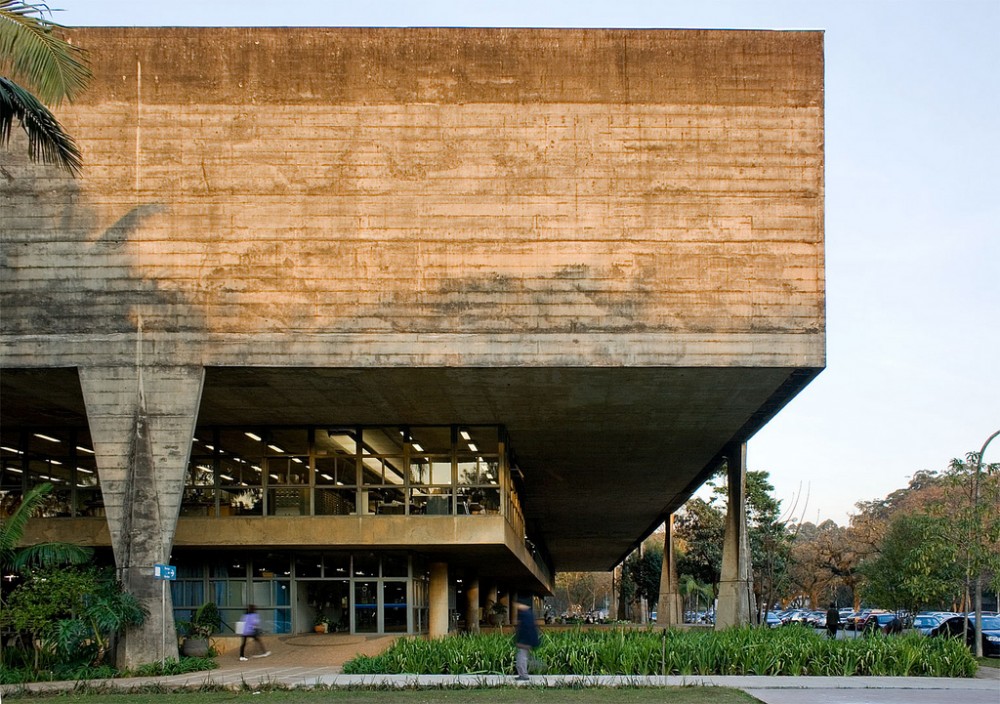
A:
<point x="738" y="651"/>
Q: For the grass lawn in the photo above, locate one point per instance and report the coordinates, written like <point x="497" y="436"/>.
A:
<point x="511" y="695"/>
<point x="988" y="662"/>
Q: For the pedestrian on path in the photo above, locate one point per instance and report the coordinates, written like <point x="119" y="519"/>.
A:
<point x="249" y="627"/>
<point x="832" y="621"/>
<point x="527" y="637"/>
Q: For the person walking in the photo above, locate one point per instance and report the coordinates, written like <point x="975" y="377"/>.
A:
<point x="249" y="627"/>
<point x="527" y="638"/>
<point x="832" y="621"/>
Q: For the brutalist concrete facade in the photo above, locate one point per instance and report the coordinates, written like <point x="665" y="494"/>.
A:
<point x="607" y="242"/>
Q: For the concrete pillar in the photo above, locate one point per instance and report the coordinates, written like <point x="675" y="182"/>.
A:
<point x="735" y="607"/>
<point x="504" y="598"/>
<point x="472" y="605"/>
<point x="141" y="421"/>
<point x="437" y="616"/>
<point x="669" y="611"/>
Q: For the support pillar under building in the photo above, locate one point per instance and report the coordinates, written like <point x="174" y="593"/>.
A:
<point x="472" y="605"/>
<point x="437" y="617"/>
<point x="668" y="610"/>
<point x="142" y="419"/>
<point x="736" y="602"/>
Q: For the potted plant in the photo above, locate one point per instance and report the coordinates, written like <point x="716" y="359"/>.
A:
<point x="206" y="621"/>
<point x="322" y="623"/>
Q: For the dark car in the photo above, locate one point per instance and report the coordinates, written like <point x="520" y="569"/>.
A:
<point x="885" y="622"/>
<point x="952" y="628"/>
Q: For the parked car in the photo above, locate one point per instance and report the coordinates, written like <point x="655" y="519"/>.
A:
<point x="772" y="620"/>
<point x="816" y="619"/>
<point x="924" y="623"/>
<point x="885" y="622"/>
<point x="953" y="626"/>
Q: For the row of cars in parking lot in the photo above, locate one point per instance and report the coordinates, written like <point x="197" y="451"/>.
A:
<point x="929" y="623"/>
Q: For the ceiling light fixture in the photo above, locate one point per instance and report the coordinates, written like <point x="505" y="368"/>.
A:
<point x="253" y="436"/>
<point x="46" y="437"/>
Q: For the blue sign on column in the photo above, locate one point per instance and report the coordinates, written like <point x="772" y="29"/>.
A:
<point x="164" y="572"/>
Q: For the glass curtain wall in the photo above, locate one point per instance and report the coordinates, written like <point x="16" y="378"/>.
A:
<point x="385" y="470"/>
<point x="365" y="592"/>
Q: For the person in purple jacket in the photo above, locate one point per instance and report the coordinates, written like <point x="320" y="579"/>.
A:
<point x="251" y="629"/>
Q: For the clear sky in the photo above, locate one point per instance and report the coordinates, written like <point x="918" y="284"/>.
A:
<point x="912" y="213"/>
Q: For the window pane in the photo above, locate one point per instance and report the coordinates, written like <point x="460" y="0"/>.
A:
<point x="337" y="565"/>
<point x="395" y="566"/>
<point x="336" y="471"/>
<point x="228" y="593"/>
<point x="288" y="502"/>
<point x="306" y="567"/>
<point x="431" y="470"/>
<point x="335" y="502"/>
<point x="271" y="566"/>
<point x="478" y="470"/>
<point x="366" y="564"/>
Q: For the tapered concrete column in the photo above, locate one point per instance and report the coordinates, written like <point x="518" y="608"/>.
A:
<point x="472" y="605"/>
<point x="438" y="608"/>
<point x="668" y="610"/>
<point x="504" y="598"/>
<point x="735" y="585"/>
<point x="142" y="419"/>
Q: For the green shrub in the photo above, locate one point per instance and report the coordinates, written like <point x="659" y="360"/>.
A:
<point x="738" y="651"/>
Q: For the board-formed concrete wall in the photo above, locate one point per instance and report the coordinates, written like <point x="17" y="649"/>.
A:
<point x="366" y="197"/>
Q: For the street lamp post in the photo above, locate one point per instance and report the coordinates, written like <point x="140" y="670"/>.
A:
<point x="979" y="571"/>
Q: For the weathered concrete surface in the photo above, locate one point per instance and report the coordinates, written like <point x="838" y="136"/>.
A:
<point x="609" y="241"/>
<point x="670" y="608"/>
<point x="511" y="188"/>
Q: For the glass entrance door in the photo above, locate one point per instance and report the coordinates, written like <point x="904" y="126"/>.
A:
<point x="366" y="607"/>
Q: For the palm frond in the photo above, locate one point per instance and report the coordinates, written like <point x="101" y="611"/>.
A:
<point x="47" y="141"/>
<point x="33" y="54"/>
<point x="51" y="554"/>
<point x="12" y="527"/>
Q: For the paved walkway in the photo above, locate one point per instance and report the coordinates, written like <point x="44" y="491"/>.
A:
<point x="311" y="660"/>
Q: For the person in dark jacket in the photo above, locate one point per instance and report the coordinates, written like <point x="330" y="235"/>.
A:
<point x="832" y="620"/>
<point x="527" y="638"/>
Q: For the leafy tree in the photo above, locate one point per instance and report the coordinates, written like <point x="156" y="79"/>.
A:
<point x="699" y="529"/>
<point x="36" y="67"/>
<point x="70" y="614"/>
<point x="641" y="575"/>
<point x="916" y="565"/>
<point x="581" y="591"/>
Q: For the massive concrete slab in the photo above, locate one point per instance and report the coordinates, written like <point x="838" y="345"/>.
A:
<point x="610" y="241"/>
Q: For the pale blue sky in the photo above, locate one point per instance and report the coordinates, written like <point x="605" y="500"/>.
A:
<point x="912" y="212"/>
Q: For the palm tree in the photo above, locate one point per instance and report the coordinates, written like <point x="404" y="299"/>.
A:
<point x="51" y="68"/>
<point x="43" y="554"/>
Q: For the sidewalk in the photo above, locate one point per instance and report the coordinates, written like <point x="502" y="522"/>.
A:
<point x="316" y="660"/>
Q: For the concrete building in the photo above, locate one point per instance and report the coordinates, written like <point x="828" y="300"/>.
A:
<point x="385" y="326"/>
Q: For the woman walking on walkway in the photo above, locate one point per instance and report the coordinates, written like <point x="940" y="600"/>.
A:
<point x="249" y="627"/>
